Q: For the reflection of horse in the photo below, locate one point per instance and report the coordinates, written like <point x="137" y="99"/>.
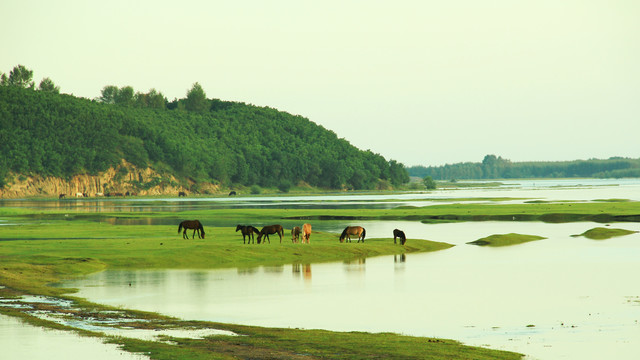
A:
<point x="353" y="230"/>
<point x="306" y="233"/>
<point x="269" y="230"/>
<point x="191" y="224"/>
<point x="181" y="194"/>
<point x="295" y="234"/>
<point x="399" y="234"/>
<point x="247" y="230"/>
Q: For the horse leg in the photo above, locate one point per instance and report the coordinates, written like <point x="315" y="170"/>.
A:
<point x="184" y="234"/>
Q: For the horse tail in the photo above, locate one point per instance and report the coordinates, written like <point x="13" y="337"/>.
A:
<point x="179" y="228"/>
<point x="364" y="232"/>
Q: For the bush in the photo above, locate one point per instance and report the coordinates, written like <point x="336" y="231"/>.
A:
<point x="284" y="186"/>
<point x="255" y="189"/>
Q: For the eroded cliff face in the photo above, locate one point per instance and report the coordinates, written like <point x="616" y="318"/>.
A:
<point x="121" y="179"/>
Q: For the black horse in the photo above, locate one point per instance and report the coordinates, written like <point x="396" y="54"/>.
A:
<point x="191" y="224"/>
<point x="232" y="193"/>
<point x="269" y="230"/>
<point x="247" y="230"/>
<point x="182" y="194"/>
<point x="399" y="234"/>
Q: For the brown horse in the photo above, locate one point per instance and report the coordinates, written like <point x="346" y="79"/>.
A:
<point x="306" y="233"/>
<point x="353" y="230"/>
<point x="295" y="234"/>
<point x="269" y="230"/>
<point x="247" y="230"/>
<point x="399" y="234"/>
<point x="191" y="224"/>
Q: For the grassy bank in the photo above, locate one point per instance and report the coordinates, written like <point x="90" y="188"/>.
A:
<point x="47" y="250"/>
<point x="39" y="254"/>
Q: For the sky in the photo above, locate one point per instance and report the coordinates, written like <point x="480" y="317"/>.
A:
<point x="420" y="82"/>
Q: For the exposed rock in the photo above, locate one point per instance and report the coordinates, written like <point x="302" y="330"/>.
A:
<point x="122" y="179"/>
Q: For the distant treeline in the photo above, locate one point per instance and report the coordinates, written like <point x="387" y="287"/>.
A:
<point x="205" y="140"/>
<point x="493" y="167"/>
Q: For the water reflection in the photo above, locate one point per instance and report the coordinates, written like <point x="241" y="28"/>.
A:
<point x="356" y="265"/>
<point x="399" y="262"/>
<point x="302" y="269"/>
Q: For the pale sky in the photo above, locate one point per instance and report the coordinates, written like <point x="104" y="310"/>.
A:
<point x="421" y="82"/>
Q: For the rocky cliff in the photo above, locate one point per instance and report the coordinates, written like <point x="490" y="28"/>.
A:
<point x="125" y="178"/>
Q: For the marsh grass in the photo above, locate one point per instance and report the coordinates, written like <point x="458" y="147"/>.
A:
<point x="601" y="233"/>
<point x="505" y="240"/>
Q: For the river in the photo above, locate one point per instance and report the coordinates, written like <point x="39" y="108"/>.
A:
<point x="560" y="298"/>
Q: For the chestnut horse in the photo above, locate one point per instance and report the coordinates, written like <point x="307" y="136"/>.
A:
<point x="306" y="233"/>
<point x="247" y="230"/>
<point x="399" y="234"/>
<point x="269" y="230"/>
<point x="191" y="224"/>
<point x="295" y="234"/>
<point x="353" y="230"/>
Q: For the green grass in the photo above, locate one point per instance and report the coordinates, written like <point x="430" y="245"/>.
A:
<point x="505" y="240"/>
<point x="601" y="233"/>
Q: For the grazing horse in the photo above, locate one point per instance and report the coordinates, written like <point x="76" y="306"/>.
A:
<point x="269" y="230"/>
<point x="232" y="193"/>
<point x="399" y="234"/>
<point x="181" y="194"/>
<point x="306" y="233"/>
<point x="61" y="196"/>
<point x="353" y="230"/>
<point x="247" y="230"/>
<point x="295" y="234"/>
<point x="191" y="224"/>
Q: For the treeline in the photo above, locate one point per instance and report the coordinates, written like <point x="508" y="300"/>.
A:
<point x="205" y="140"/>
<point x="493" y="167"/>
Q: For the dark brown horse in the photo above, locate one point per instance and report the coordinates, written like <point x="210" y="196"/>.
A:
<point x="353" y="230"/>
<point x="191" y="224"/>
<point x="247" y="230"/>
<point x="399" y="234"/>
<point x="295" y="234"/>
<point x="182" y="194"/>
<point x="269" y="230"/>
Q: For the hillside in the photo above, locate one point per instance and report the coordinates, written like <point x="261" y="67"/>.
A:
<point x="49" y="135"/>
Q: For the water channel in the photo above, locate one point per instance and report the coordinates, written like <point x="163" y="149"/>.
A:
<point x="562" y="297"/>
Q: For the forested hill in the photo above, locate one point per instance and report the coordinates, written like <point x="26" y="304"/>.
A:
<point x="495" y="167"/>
<point x="226" y="143"/>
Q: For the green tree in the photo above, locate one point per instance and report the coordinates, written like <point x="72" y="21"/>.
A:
<point x="124" y="96"/>
<point x="156" y="100"/>
<point x="429" y="183"/>
<point x="196" y="99"/>
<point x="109" y="94"/>
<point x="47" y="85"/>
<point x="20" y="76"/>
